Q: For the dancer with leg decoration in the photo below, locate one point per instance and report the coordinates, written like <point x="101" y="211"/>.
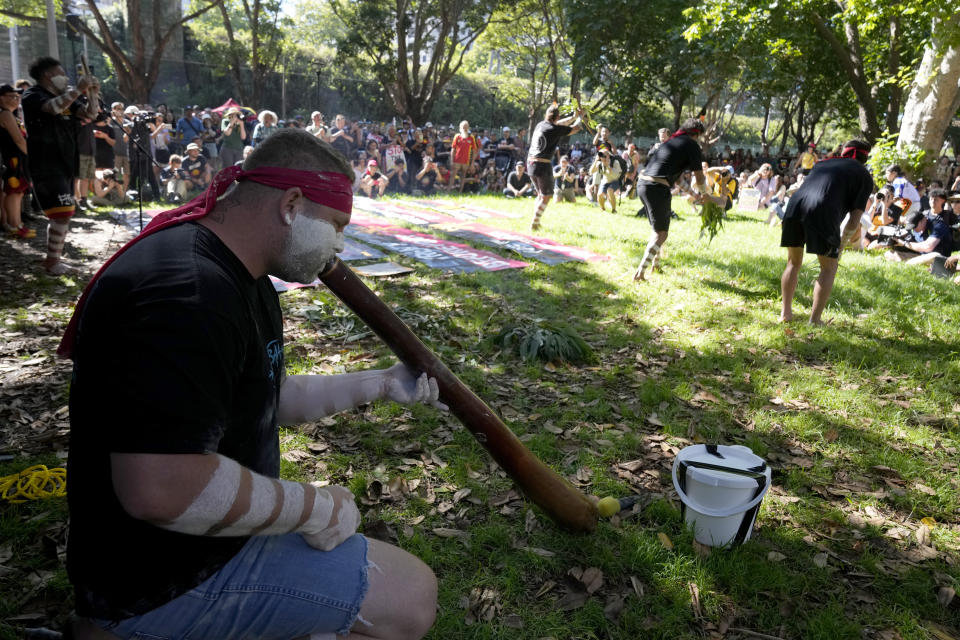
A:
<point x="678" y="154"/>
<point x="824" y="215"/>
<point x="52" y="111"/>
<point x="546" y="137"/>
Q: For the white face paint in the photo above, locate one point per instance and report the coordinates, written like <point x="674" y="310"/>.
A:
<point x="60" y="83"/>
<point x="312" y="243"/>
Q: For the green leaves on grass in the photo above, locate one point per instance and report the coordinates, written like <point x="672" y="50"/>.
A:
<point x="546" y="342"/>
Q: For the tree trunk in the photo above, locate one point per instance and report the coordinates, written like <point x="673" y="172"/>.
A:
<point x="893" y="68"/>
<point x="851" y="61"/>
<point x="935" y="95"/>
<point x="766" y="123"/>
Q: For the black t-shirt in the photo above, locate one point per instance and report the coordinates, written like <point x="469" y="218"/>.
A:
<point x="179" y="351"/>
<point x="673" y="157"/>
<point x="518" y="182"/>
<point x="194" y="166"/>
<point x="833" y="188"/>
<point x="546" y="137"/>
<point x="103" y="152"/>
<point x="51" y="139"/>
<point x="566" y="179"/>
<point x="341" y="144"/>
<point x="85" y="139"/>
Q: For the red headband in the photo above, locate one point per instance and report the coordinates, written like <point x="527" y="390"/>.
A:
<point x="328" y="188"/>
<point x="680" y="132"/>
<point x="854" y="153"/>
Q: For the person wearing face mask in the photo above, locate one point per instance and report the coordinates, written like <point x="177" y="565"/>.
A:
<point x="178" y="515"/>
<point x="53" y="112"/>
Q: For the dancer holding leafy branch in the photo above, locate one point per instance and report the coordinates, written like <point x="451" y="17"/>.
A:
<point x="546" y="137"/>
<point x="678" y="154"/>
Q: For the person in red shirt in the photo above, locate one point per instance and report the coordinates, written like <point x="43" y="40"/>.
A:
<point x="465" y="146"/>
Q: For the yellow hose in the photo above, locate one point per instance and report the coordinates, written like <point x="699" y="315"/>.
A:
<point x="34" y="483"/>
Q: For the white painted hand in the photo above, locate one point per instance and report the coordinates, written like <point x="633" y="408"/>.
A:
<point x="402" y="384"/>
<point x="344" y="520"/>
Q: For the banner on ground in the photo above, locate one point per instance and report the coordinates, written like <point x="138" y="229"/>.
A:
<point x="397" y="211"/>
<point x="542" y="249"/>
<point x="431" y="251"/>
<point x="464" y="211"/>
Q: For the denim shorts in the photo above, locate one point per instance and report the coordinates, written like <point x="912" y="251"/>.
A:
<point x="275" y="588"/>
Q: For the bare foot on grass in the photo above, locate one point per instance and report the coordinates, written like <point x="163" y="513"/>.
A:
<point x="639" y="276"/>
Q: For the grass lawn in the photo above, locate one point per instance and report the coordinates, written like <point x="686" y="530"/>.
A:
<point x="858" y="537"/>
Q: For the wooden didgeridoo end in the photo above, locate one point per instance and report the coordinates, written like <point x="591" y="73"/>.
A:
<point x="563" y="502"/>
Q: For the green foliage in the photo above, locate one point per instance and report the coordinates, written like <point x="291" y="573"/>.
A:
<point x="711" y="220"/>
<point x="545" y="341"/>
<point x="915" y="162"/>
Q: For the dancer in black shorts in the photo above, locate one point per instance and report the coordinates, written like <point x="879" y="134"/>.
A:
<point x="52" y="111"/>
<point x="678" y="154"/>
<point x="836" y="190"/>
<point x="546" y="137"/>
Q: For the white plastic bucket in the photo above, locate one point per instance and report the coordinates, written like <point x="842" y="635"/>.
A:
<point x="720" y="489"/>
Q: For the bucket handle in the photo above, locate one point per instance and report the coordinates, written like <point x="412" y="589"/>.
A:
<point x="760" y="477"/>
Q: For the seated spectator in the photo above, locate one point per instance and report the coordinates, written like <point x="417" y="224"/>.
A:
<point x="878" y="214"/>
<point x="399" y="182"/>
<point x="471" y="179"/>
<point x="580" y="186"/>
<point x="198" y="173"/>
<point x="564" y="181"/>
<point x="519" y="184"/>
<point x="429" y="174"/>
<point x="373" y="183"/>
<point x="107" y="192"/>
<point x="906" y="198"/>
<point x="491" y="178"/>
<point x="721" y="182"/>
<point x="767" y="183"/>
<point x="939" y="235"/>
<point x="175" y="181"/>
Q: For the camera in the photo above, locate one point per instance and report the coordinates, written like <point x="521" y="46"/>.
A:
<point x="144" y="116"/>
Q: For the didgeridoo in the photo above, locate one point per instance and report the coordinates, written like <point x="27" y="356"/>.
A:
<point x="545" y="487"/>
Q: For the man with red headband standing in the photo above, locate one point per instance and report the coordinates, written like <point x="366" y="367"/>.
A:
<point x="678" y="154"/>
<point x="180" y="525"/>
<point x="824" y="214"/>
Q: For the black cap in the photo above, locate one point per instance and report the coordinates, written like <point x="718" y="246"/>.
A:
<point x="9" y="88"/>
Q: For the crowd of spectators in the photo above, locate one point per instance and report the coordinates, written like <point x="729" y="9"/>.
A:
<point x="138" y="149"/>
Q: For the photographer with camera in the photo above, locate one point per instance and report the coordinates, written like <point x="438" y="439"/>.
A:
<point x="175" y="180"/>
<point x="234" y="137"/>
<point x="610" y="173"/>
<point x="53" y="111"/>
<point x="107" y="192"/>
<point x="140" y="125"/>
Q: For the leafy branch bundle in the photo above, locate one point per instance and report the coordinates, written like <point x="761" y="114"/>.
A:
<point x="711" y="219"/>
<point x="546" y="342"/>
